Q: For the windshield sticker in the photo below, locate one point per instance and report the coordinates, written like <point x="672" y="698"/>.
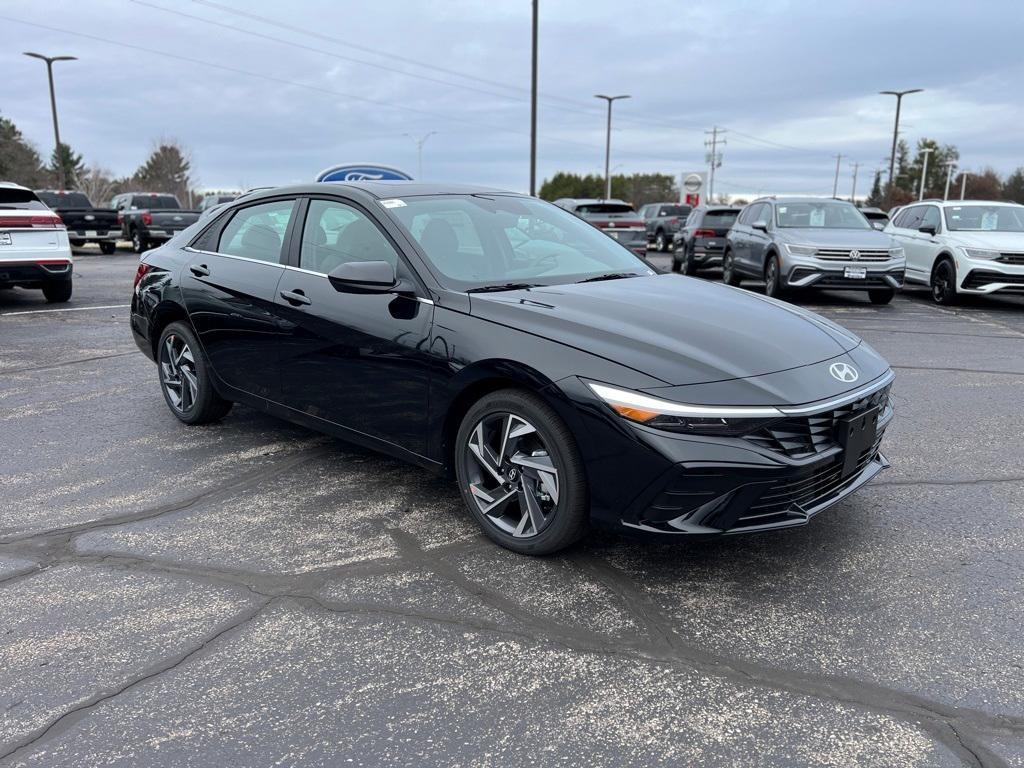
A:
<point x="393" y="203"/>
<point x="989" y="220"/>
<point x="817" y="217"/>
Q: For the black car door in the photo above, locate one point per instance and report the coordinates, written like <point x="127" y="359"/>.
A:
<point x="358" y="360"/>
<point x="229" y="284"/>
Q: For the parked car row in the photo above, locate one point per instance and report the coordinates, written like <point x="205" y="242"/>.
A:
<point x="794" y="244"/>
<point x="34" y="248"/>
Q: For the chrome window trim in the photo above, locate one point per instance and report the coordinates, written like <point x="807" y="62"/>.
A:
<point x="324" y="275"/>
<point x="190" y="249"/>
<point x="827" y="405"/>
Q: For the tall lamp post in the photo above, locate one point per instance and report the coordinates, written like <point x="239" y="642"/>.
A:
<point x="533" y="106"/>
<point x="608" y="143"/>
<point x="924" y="171"/>
<point x="896" y="129"/>
<point x="949" y="177"/>
<point x="53" y="106"/>
<point x="419" y="152"/>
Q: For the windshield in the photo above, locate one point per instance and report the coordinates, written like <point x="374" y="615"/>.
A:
<point x="604" y="208"/>
<point x="821" y="215"/>
<point x="64" y="200"/>
<point x="985" y="218"/>
<point x="19" y="199"/>
<point x="475" y="241"/>
<point x="674" y="210"/>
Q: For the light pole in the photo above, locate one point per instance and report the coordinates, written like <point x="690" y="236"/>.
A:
<point x="853" y="191"/>
<point x="533" y="107"/>
<point x="896" y="129"/>
<point x="608" y="143"/>
<point x="835" y="184"/>
<point x="963" y="183"/>
<point x="53" y="106"/>
<point x="419" y="152"/>
<point x="924" y="171"/>
<point x="949" y="177"/>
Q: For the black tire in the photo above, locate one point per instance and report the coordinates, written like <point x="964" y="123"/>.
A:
<point x="139" y="243"/>
<point x="686" y="263"/>
<point x="773" y="278"/>
<point x="77" y="243"/>
<point x="676" y="261"/>
<point x="202" y="406"/>
<point x="660" y="244"/>
<point x="566" y="520"/>
<point x="57" y="293"/>
<point x="881" y="295"/>
<point x="729" y="275"/>
<point x="107" y="248"/>
<point x="944" y="282"/>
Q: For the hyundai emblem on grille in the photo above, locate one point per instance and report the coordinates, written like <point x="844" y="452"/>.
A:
<point x="844" y="372"/>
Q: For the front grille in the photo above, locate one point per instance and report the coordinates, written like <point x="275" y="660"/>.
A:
<point x="842" y="254"/>
<point x="855" y="283"/>
<point x="801" y="436"/>
<point x="978" y="278"/>
<point x="792" y="497"/>
<point x="1011" y="258"/>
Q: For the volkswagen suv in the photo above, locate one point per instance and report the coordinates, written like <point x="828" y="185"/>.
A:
<point x="793" y="243"/>
<point x="962" y="246"/>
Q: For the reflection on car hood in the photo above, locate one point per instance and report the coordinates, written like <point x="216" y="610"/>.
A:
<point x="996" y="241"/>
<point x="837" y="238"/>
<point x="677" y="329"/>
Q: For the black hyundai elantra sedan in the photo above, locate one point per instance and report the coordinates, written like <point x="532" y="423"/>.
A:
<point x="501" y="339"/>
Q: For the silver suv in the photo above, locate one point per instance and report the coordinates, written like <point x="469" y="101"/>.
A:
<point x="804" y="242"/>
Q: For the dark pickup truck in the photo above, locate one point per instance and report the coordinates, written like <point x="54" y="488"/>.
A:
<point x="149" y="219"/>
<point x="662" y="221"/>
<point x="85" y="222"/>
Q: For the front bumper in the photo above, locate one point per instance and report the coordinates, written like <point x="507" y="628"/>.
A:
<point x="985" y="276"/>
<point x="811" y="272"/>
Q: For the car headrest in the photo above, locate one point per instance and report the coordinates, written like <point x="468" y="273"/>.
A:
<point x="439" y="237"/>
<point x="263" y="237"/>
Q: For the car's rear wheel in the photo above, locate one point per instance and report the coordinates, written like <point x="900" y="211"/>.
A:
<point x="57" y="293"/>
<point x="773" y="278"/>
<point x="520" y="473"/>
<point x="881" y="295"/>
<point x="185" y="377"/>
<point x="108" y="248"/>
<point x="139" y="243"/>
<point x="686" y="262"/>
<point x="944" y="282"/>
<point x="729" y="276"/>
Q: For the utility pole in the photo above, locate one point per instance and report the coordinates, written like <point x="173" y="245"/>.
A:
<point x="896" y="128"/>
<point x="419" y="152"/>
<point x="963" y="184"/>
<point x="949" y="177"/>
<point x="608" y="143"/>
<point x="53" y="107"/>
<point x="835" y="184"/>
<point x="924" y="171"/>
<point x="713" y="157"/>
<point x="533" y="107"/>
<point x="853" y="192"/>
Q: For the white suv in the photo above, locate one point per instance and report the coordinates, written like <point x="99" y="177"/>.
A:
<point x="34" y="249"/>
<point x="962" y="246"/>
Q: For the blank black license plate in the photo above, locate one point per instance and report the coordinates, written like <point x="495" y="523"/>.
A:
<point x="856" y="434"/>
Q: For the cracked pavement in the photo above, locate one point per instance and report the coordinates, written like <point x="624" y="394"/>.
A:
<point x="251" y="593"/>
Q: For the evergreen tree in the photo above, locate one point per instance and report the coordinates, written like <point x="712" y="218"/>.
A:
<point x="19" y="160"/>
<point x="1013" y="187"/>
<point x="166" y="170"/>
<point x="66" y="166"/>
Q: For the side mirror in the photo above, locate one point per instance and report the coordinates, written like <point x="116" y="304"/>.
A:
<point x="927" y="229"/>
<point x="364" y="277"/>
<point x="761" y="225"/>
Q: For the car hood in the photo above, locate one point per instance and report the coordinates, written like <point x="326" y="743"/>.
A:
<point x="838" y="238"/>
<point x="677" y="329"/>
<point x="996" y="241"/>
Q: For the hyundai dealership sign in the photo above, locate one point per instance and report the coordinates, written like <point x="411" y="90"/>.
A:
<point x="362" y="172"/>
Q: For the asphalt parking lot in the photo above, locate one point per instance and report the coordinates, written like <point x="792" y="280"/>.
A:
<point x="250" y="593"/>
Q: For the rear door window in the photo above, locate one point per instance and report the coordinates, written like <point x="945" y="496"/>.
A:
<point x="257" y="232"/>
<point x="910" y="218"/>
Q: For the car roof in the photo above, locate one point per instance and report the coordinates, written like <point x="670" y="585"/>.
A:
<point x="593" y="200"/>
<point x="12" y="185"/>
<point x="958" y="203"/>
<point x="798" y="199"/>
<point x="383" y="190"/>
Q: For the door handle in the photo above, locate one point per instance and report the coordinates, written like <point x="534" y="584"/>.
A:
<point x="295" y="297"/>
<point x="199" y="270"/>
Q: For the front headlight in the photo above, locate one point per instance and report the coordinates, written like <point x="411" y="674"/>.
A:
<point x="980" y="253"/>
<point x="680" y="417"/>
<point x="896" y="253"/>
<point x="801" y="250"/>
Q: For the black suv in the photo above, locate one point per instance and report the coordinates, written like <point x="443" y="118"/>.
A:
<point x="700" y="242"/>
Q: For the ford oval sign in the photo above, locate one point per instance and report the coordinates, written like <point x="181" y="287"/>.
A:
<point x="362" y="172"/>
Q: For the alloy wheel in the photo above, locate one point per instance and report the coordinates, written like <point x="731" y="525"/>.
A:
<point x="771" y="280"/>
<point x="659" y="242"/>
<point x="178" y="373"/>
<point x="512" y="476"/>
<point x="941" y="283"/>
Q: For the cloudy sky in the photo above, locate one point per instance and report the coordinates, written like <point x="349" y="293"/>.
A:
<point x="270" y="92"/>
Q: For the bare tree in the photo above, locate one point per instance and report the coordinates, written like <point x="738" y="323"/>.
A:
<point x="97" y="184"/>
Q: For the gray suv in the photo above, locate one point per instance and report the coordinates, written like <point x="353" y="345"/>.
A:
<point x="794" y="243"/>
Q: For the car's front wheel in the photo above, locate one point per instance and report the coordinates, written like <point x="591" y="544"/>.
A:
<point x="773" y="278"/>
<point x="881" y="295"/>
<point x="520" y="473"/>
<point x="139" y="243"/>
<point x="185" y="377"/>
<point x="729" y="275"/>
<point x="944" y="282"/>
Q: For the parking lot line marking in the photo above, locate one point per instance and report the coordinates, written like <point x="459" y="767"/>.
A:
<point x="65" y="309"/>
